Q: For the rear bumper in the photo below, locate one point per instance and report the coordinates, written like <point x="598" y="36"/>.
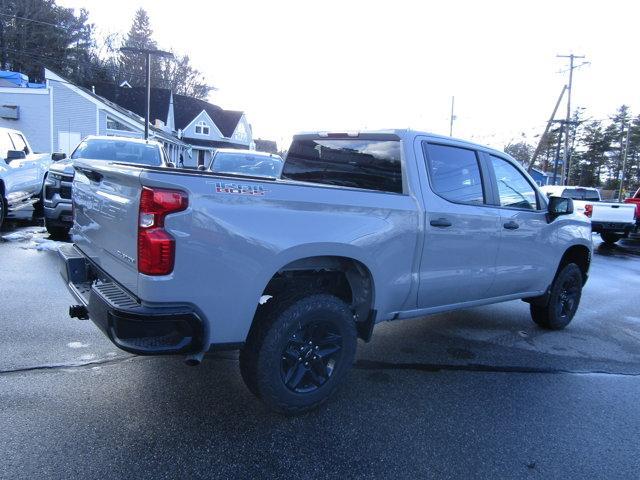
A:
<point x="131" y="326"/>
<point x="621" y="228"/>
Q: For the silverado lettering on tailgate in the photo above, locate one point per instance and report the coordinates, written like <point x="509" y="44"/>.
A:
<point x="238" y="189"/>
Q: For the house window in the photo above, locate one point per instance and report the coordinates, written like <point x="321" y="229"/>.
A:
<point x="241" y="133"/>
<point x="113" y="124"/>
<point x="202" y="128"/>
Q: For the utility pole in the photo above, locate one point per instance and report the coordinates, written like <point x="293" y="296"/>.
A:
<point x="147" y="53"/>
<point x="557" y="156"/>
<point x="624" y="164"/>
<point x="571" y="58"/>
<point x="546" y="130"/>
<point x="452" y="118"/>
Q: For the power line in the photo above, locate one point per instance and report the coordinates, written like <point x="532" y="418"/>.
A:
<point x="25" y="19"/>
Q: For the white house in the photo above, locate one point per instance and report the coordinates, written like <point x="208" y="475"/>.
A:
<point x="55" y="118"/>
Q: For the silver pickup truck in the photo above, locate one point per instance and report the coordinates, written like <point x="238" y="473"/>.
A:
<point x="360" y="228"/>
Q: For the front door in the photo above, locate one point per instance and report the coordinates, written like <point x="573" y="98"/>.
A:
<point x="523" y="263"/>
<point x="462" y="228"/>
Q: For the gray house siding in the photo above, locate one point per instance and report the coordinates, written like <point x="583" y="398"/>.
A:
<point x="34" y="118"/>
<point x="74" y="114"/>
<point x="102" y="128"/>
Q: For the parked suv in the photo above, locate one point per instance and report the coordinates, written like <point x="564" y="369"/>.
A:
<point x="59" y="179"/>
<point x="360" y="228"/>
<point x="21" y="173"/>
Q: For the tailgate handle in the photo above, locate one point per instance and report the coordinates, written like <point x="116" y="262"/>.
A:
<point x="615" y="206"/>
<point x="91" y="174"/>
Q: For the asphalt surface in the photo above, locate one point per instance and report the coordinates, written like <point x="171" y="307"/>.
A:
<point x="481" y="393"/>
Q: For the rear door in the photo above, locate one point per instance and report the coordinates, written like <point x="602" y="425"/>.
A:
<point x="524" y="263"/>
<point x="106" y="204"/>
<point x="462" y="229"/>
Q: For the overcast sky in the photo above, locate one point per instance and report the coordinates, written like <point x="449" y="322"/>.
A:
<point x="335" y="65"/>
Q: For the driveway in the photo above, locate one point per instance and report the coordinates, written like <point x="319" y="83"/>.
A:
<point x="481" y="393"/>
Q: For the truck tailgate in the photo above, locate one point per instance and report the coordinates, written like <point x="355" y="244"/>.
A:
<point x="613" y="212"/>
<point x="106" y="202"/>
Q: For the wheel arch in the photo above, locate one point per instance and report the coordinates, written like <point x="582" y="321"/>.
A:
<point x="349" y="278"/>
<point x="581" y="256"/>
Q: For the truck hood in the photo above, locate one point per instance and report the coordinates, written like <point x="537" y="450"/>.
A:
<point x="62" y="167"/>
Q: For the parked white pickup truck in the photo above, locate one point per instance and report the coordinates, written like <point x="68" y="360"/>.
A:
<point x="21" y="173"/>
<point x="612" y="221"/>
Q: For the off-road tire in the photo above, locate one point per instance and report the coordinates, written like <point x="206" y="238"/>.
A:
<point x="610" y="238"/>
<point x="262" y="355"/>
<point x="557" y="313"/>
<point x="56" y="231"/>
<point x="3" y="211"/>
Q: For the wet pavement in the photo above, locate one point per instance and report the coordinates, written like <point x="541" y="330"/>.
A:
<point x="480" y="393"/>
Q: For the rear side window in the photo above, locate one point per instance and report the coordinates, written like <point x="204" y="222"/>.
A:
<point x="455" y="173"/>
<point x="368" y="164"/>
<point x="587" y="194"/>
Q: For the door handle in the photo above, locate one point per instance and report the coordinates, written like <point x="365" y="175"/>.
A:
<point x="511" y="225"/>
<point x="440" y="222"/>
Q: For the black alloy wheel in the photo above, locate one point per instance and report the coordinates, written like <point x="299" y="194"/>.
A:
<point x="310" y="356"/>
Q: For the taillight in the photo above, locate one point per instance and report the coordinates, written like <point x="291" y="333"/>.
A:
<point x="588" y="210"/>
<point x="156" y="247"/>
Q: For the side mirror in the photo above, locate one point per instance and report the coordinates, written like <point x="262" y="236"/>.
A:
<point x="560" y="206"/>
<point x="15" y="155"/>
<point x="58" y="156"/>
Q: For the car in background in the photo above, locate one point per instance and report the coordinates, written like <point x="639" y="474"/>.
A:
<point x="57" y="184"/>
<point x="611" y="220"/>
<point x="246" y="162"/>
<point x="21" y="173"/>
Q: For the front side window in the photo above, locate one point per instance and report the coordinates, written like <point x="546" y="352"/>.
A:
<point x="514" y="189"/>
<point x="369" y="164"/>
<point x="202" y="128"/>
<point x="455" y="173"/>
<point x="5" y="144"/>
<point x="118" y="151"/>
<point x="19" y="142"/>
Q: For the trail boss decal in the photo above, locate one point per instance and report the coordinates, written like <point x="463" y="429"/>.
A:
<point x="237" y="189"/>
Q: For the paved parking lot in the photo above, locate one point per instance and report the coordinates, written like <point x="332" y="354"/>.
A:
<point x="482" y="393"/>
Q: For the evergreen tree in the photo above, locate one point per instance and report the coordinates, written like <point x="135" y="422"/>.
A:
<point x="132" y="65"/>
<point x="37" y="33"/>
<point x="176" y="74"/>
<point x="521" y="151"/>
<point x="590" y="158"/>
<point x="616" y="133"/>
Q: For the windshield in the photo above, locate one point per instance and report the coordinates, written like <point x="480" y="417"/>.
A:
<point x="118" y="151"/>
<point x="247" y="164"/>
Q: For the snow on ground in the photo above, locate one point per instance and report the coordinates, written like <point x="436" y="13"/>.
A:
<point x="34" y="238"/>
<point x="23" y="234"/>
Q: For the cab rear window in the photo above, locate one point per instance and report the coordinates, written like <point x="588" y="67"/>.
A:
<point x="359" y="163"/>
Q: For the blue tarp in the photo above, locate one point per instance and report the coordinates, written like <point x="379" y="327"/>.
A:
<point x="17" y="79"/>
